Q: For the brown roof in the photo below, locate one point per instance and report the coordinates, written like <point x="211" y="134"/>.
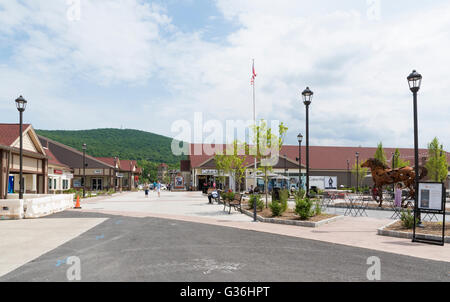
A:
<point x="108" y="160"/>
<point x="321" y="157"/>
<point x="10" y="132"/>
<point x="52" y="160"/>
<point x="127" y="165"/>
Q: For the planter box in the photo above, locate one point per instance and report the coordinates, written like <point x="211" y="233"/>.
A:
<point x="308" y="224"/>
<point x="407" y="235"/>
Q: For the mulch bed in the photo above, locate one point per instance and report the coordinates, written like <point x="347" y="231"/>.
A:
<point x="291" y="215"/>
<point x="431" y="228"/>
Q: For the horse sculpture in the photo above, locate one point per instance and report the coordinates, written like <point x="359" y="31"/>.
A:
<point x="382" y="175"/>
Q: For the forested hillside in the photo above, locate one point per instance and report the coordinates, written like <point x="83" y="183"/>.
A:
<point x="126" y="144"/>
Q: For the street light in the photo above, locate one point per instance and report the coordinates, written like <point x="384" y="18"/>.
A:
<point x="414" y="81"/>
<point x="349" y="178"/>
<point x="21" y="104"/>
<point x="300" y="139"/>
<point x="84" y="170"/>
<point x="357" y="172"/>
<point x="307" y="98"/>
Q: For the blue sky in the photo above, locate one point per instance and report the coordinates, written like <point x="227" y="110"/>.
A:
<point x="148" y="64"/>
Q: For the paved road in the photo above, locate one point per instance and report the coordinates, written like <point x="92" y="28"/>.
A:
<point x="153" y="249"/>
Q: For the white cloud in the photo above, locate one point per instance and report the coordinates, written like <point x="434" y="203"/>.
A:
<point x="357" y="68"/>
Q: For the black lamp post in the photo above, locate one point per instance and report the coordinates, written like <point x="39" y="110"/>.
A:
<point x="414" y="81"/>
<point x="21" y="104"/>
<point x="300" y="139"/>
<point x="357" y="172"/>
<point x="84" y="170"/>
<point x="307" y="98"/>
<point x="349" y="178"/>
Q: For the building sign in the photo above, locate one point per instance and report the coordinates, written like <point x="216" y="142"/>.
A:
<point x="57" y="171"/>
<point x="209" y="172"/>
<point x="98" y="172"/>
<point x="323" y="182"/>
<point x="77" y="183"/>
<point x="330" y="182"/>
<point x="179" y="182"/>
<point x="431" y="196"/>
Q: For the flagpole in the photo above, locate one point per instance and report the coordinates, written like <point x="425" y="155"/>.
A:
<point x="254" y="123"/>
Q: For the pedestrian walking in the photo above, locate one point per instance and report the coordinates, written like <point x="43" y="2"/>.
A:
<point x="158" y="188"/>
<point x="398" y="195"/>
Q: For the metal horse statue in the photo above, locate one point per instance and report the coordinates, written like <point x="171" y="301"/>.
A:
<point x="382" y="175"/>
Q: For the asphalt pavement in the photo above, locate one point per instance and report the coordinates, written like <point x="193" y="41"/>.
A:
<point x="154" y="249"/>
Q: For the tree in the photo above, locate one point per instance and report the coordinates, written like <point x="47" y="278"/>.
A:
<point x="398" y="162"/>
<point x="437" y="161"/>
<point x="222" y="166"/>
<point x="379" y="154"/>
<point x="237" y="160"/>
<point x="267" y="148"/>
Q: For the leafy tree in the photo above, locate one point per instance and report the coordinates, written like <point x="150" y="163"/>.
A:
<point x="222" y="165"/>
<point x="398" y="162"/>
<point x="266" y="144"/>
<point x="379" y="153"/>
<point x="437" y="161"/>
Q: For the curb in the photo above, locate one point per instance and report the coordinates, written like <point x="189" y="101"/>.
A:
<point x="308" y="224"/>
<point x="406" y="235"/>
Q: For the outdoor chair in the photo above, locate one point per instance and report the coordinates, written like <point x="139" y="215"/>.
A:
<point x="236" y="203"/>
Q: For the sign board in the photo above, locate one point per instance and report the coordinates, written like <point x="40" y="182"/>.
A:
<point x="431" y="196"/>
<point x="317" y="181"/>
<point x="179" y="182"/>
<point x="431" y="199"/>
<point x="98" y="172"/>
<point x="77" y="183"/>
<point x="330" y="183"/>
<point x="57" y="171"/>
<point x="209" y="172"/>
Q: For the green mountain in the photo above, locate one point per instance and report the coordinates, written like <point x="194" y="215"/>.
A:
<point x="126" y="144"/>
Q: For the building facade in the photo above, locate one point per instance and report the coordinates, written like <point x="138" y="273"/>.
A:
<point x="330" y="167"/>
<point x="35" y="161"/>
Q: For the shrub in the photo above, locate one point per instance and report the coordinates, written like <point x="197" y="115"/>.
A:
<point x="408" y="219"/>
<point x="318" y="208"/>
<point x="256" y="198"/>
<point x="303" y="208"/>
<point x="277" y="208"/>
<point x="227" y="196"/>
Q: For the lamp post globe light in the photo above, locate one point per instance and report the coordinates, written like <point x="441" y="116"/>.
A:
<point x="414" y="81"/>
<point x="84" y="147"/>
<point x="21" y="104"/>
<point x="357" y="172"/>
<point x="307" y="98"/>
<point x="299" y="159"/>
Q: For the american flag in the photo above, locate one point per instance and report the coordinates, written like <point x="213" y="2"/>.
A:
<point x="253" y="73"/>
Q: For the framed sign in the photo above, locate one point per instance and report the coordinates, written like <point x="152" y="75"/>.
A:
<point x="431" y="196"/>
<point x="430" y="199"/>
<point x="330" y="183"/>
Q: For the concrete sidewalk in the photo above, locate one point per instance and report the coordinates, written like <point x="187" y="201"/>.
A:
<point x="193" y="207"/>
<point x="24" y="240"/>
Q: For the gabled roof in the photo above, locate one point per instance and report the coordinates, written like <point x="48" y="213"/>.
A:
<point x="128" y="165"/>
<point x="9" y="133"/>
<point x="110" y="160"/>
<point x="52" y="160"/>
<point x="72" y="157"/>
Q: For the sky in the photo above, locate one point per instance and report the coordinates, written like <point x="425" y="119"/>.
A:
<point x="85" y="64"/>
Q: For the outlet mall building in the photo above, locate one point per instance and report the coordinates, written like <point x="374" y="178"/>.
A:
<point x="52" y="167"/>
<point x="330" y="167"/>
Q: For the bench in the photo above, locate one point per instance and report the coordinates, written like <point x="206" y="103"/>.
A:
<point x="235" y="203"/>
<point x="210" y="196"/>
